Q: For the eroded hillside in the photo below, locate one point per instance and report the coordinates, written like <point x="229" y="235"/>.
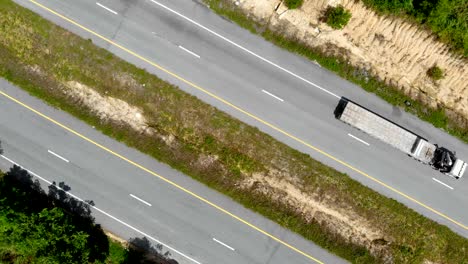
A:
<point x="393" y="50"/>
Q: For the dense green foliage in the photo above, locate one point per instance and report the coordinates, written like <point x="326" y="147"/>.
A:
<point x="336" y="17"/>
<point x="46" y="228"/>
<point x="447" y="18"/>
<point x="40" y="227"/>
<point x="292" y="4"/>
<point x="435" y="73"/>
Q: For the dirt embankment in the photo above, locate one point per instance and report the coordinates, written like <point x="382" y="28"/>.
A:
<point x="393" y="50"/>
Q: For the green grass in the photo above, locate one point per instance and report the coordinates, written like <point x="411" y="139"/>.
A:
<point x="117" y="253"/>
<point x="44" y="66"/>
<point x="227" y="10"/>
<point x="293" y="4"/>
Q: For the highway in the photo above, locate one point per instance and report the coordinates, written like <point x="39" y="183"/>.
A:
<point x="292" y="94"/>
<point x="132" y="202"/>
<point x="284" y="95"/>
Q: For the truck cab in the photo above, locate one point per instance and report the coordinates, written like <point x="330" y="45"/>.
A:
<point x="446" y="162"/>
<point x="458" y="169"/>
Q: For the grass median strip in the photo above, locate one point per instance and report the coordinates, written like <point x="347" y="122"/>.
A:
<point x="265" y="175"/>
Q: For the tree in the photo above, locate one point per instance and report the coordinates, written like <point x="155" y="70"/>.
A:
<point x="336" y="17"/>
<point x="47" y="228"/>
<point x="423" y="8"/>
<point x="53" y="227"/>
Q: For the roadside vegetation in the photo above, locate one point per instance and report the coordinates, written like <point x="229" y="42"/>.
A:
<point x="435" y="72"/>
<point x="212" y="147"/>
<point x="449" y="121"/>
<point x="293" y="4"/>
<point x="52" y="227"/>
<point x="446" y="18"/>
<point x="336" y="16"/>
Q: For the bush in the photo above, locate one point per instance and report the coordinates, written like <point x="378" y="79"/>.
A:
<point x="336" y="17"/>
<point x="435" y="73"/>
<point x="293" y="4"/>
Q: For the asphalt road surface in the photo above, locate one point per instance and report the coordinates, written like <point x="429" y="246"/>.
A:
<point x="288" y="92"/>
<point x="131" y="202"/>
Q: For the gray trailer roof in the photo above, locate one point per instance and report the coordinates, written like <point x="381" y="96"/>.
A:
<point x="378" y="127"/>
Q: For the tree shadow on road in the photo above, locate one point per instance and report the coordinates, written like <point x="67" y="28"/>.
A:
<point x="142" y="251"/>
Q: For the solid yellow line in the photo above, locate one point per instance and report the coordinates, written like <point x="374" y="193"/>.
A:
<point x="159" y="176"/>
<point x="254" y="117"/>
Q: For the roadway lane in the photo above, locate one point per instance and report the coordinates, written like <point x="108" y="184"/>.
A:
<point x="239" y="77"/>
<point x="174" y="217"/>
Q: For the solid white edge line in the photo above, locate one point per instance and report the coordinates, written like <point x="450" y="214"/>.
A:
<point x="188" y="51"/>
<point x="103" y="212"/>
<point x="30" y="172"/>
<point x="105" y="7"/>
<point x="270" y="94"/>
<point x="141" y="200"/>
<point x="219" y="242"/>
<point x="448" y="186"/>
<point x="57" y="155"/>
<point x="358" y="139"/>
<point x="244" y="49"/>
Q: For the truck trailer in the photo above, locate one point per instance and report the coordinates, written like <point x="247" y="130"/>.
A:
<point x="399" y="137"/>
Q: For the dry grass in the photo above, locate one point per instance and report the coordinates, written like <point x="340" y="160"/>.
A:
<point x="217" y="149"/>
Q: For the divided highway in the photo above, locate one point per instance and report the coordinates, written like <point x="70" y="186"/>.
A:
<point x="132" y="202"/>
<point x="284" y="95"/>
<point x="206" y="55"/>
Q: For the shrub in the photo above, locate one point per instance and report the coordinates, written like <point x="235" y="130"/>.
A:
<point x="435" y="73"/>
<point x="336" y="17"/>
<point x="293" y="4"/>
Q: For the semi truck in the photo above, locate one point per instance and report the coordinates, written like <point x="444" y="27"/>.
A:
<point x="415" y="146"/>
